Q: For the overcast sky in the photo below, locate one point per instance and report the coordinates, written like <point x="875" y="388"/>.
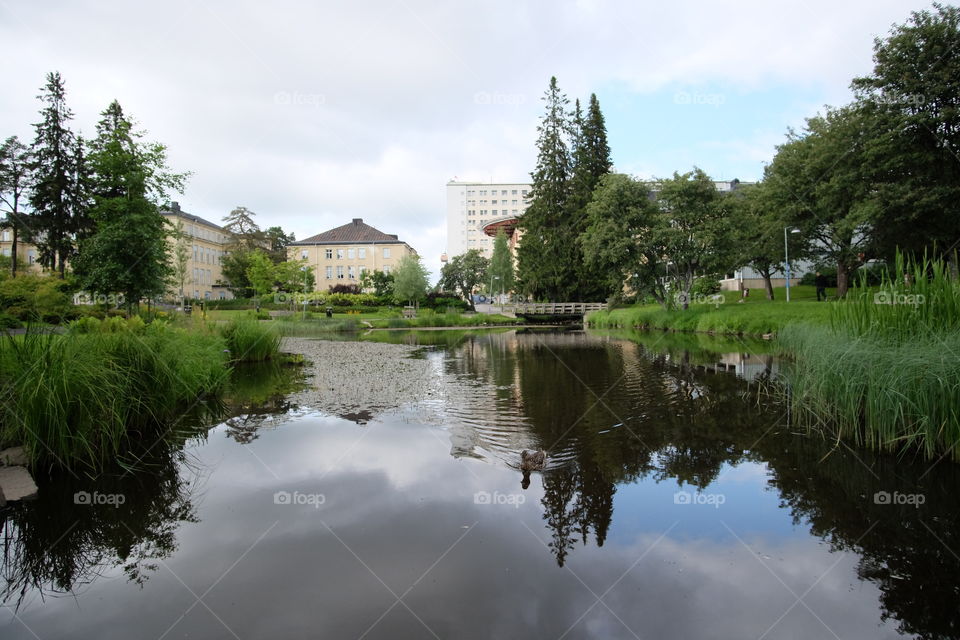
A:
<point x="313" y="113"/>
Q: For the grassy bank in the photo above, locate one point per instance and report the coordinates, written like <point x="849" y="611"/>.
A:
<point x="725" y="315"/>
<point x="83" y="398"/>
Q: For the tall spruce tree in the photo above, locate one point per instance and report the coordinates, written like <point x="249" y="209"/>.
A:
<point x="546" y="267"/>
<point x="54" y="165"/>
<point x="15" y="179"/>
<point x="591" y="161"/>
<point x="128" y="252"/>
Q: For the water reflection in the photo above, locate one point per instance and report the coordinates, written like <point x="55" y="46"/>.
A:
<point x="627" y="422"/>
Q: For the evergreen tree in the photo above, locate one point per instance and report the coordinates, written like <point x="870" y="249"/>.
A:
<point x="245" y="238"/>
<point x="591" y="161"/>
<point x="54" y="159"/>
<point x="501" y="263"/>
<point x="15" y="179"/>
<point x="127" y="254"/>
<point x="545" y="256"/>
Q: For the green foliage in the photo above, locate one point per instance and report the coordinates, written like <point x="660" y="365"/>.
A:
<point x="57" y="195"/>
<point x="249" y="340"/>
<point x="15" y="178"/>
<point x="380" y="282"/>
<point x="128" y="252"/>
<point x="464" y="273"/>
<point x="705" y="286"/>
<point x="409" y="279"/>
<point x="915" y="175"/>
<point x="246" y="237"/>
<point x="35" y="298"/>
<point x="260" y="272"/>
<point x="82" y="400"/>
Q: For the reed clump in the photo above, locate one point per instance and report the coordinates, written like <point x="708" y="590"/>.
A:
<point x="80" y="399"/>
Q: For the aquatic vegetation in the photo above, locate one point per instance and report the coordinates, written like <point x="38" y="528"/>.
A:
<point x="250" y="340"/>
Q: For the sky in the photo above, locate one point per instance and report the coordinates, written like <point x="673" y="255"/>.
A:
<point x="314" y="113"/>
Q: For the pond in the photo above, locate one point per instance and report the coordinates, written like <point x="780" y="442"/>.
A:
<point x="676" y="502"/>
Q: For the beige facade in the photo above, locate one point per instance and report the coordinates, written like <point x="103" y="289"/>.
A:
<point x="341" y="255"/>
<point x="205" y="244"/>
<point x="28" y="253"/>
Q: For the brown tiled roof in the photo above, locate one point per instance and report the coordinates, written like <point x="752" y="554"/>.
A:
<point x="356" y="232"/>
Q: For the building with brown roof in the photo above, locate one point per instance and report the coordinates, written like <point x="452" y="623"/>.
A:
<point x="342" y="254"/>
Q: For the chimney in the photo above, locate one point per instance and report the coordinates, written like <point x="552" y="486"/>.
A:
<point x="175" y="206"/>
<point x="357" y="221"/>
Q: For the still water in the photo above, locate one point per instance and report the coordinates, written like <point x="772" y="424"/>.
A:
<point x="676" y="502"/>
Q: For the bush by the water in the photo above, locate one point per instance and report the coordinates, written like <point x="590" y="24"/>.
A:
<point x="250" y="340"/>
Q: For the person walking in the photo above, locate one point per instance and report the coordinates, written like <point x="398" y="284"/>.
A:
<point x="821" y="283"/>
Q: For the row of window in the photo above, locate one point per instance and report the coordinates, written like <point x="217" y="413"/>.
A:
<point x="202" y="276"/>
<point x="493" y="192"/>
<point x="349" y="254"/>
<point x="205" y="234"/>
<point x="483" y="212"/>
<point x="482" y="202"/>
<point x="31" y="254"/>
<point x="207" y="256"/>
<point x="206" y="295"/>
<point x="351" y="272"/>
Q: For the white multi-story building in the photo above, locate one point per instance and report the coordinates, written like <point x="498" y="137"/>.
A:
<point x="473" y="205"/>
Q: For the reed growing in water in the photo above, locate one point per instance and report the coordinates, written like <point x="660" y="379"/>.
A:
<point x="886" y="372"/>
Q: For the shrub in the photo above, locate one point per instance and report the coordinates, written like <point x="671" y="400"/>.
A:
<point x="9" y="322"/>
<point x="249" y="340"/>
<point x="705" y="286"/>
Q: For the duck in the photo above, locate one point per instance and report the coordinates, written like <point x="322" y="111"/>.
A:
<point x="532" y="461"/>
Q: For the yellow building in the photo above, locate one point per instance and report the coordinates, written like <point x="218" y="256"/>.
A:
<point x="205" y="245"/>
<point x="28" y="253"/>
<point x="341" y="255"/>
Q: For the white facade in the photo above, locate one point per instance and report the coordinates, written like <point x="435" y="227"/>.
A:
<point x="470" y="205"/>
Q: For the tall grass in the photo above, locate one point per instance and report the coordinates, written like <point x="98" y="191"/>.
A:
<point x="885" y="371"/>
<point x="725" y="318"/>
<point x="250" y="340"/>
<point x="81" y="399"/>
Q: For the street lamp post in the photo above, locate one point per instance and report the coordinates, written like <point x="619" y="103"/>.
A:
<point x="492" y="278"/>
<point x="786" y="256"/>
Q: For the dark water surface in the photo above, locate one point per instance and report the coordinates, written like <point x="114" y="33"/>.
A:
<point x="676" y="503"/>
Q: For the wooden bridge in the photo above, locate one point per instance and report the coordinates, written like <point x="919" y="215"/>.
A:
<point x="554" y="309"/>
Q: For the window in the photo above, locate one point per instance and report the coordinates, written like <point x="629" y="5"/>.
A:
<point x="329" y="273"/>
<point x="31" y="256"/>
<point x="523" y="192"/>
<point x="386" y="252"/>
<point x="362" y="254"/>
<point x="328" y="254"/>
<point x="483" y="192"/>
<point x="493" y="202"/>
<point x="340" y="272"/>
<point x="206" y="295"/>
<point x="514" y="192"/>
<point x="351" y="253"/>
<point x="304" y="254"/>
<point x="194" y="253"/>
<point x="4" y="252"/>
<point x="350" y="273"/>
<point x="339" y="254"/>
<point x="386" y="270"/>
<point x="223" y="295"/>
<point x="6" y="236"/>
<point x="504" y="192"/>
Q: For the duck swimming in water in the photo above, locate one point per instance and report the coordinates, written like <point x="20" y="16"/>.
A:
<point x="531" y="462"/>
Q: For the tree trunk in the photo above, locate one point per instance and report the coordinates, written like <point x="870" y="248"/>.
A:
<point x="767" y="284"/>
<point x="13" y="263"/>
<point x="843" y="278"/>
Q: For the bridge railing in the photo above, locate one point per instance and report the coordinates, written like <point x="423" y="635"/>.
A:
<point x="555" y="308"/>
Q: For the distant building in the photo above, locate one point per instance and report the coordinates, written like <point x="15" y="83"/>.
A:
<point x="472" y="206"/>
<point x="341" y="255"/>
<point x="27" y="252"/>
<point x="206" y="244"/>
